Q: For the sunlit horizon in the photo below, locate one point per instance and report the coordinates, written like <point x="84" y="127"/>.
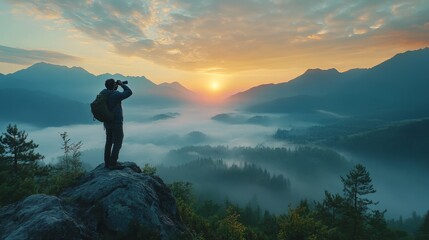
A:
<point x="243" y="44"/>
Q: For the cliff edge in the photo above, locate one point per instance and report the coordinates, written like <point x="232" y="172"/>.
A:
<point x="104" y="203"/>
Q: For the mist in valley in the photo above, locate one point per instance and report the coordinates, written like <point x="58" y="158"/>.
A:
<point x="233" y="154"/>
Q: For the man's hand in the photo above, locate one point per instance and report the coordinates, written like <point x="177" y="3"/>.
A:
<point x="119" y="82"/>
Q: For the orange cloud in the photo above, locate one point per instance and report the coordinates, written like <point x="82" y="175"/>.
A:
<point x="229" y="36"/>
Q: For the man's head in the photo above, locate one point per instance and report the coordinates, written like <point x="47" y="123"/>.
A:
<point x="110" y="84"/>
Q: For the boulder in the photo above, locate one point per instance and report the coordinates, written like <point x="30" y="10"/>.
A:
<point x="104" y="203"/>
<point x="40" y="217"/>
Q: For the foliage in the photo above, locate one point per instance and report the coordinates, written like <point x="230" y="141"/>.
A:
<point x="149" y="170"/>
<point x="357" y="184"/>
<point x="377" y="227"/>
<point x="303" y="160"/>
<point x="408" y="225"/>
<point x="21" y="175"/>
<point x="69" y="167"/>
<point x="17" y="151"/>
<point x="230" y="227"/>
<point x="216" y="180"/>
<point x="389" y="141"/>
<point x="19" y="171"/>
<point x="70" y="161"/>
<point x="368" y="137"/>
<point x="301" y="223"/>
<point x="206" y="219"/>
<point x="423" y="233"/>
<point x="336" y="217"/>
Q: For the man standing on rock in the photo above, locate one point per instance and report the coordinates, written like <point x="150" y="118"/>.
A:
<point x="114" y="129"/>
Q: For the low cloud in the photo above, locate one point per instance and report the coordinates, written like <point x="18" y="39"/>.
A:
<point x="148" y="142"/>
<point x="240" y="34"/>
<point x="27" y="57"/>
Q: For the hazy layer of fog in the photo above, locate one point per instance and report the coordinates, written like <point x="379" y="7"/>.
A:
<point x="146" y="140"/>
<point x="400" y="189"/>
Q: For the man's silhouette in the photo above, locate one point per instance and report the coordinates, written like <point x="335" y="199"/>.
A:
<point x="114" y="129"/>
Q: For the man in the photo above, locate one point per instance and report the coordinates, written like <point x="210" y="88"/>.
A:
<point x="114" y="129"/>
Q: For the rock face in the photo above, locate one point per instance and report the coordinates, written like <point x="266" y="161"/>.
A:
<point x="40" y="217"/>
<point x="105" y="202"/>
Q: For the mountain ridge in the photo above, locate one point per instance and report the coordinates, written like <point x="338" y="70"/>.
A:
<point x="78" y="84"/>
<point x="288" y="89"/>
<point x="398" y="86"/>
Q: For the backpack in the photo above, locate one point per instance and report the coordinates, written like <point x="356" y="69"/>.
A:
<point x="100" y="109"/>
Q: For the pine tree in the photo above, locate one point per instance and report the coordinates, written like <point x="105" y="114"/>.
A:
<point x="17" y="151"/>
<point x="357" y="184"/>
<point x="18" y="167"/>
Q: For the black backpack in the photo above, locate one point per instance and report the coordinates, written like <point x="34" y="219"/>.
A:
<point x="100" y="109"/>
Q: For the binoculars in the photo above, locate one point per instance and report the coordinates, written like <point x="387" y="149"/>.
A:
<point x="124" y="82"/>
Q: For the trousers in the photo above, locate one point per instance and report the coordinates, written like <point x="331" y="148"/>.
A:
<point x="114" y="138"/>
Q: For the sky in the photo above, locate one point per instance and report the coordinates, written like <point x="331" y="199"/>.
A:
<point x="214" y="47"/>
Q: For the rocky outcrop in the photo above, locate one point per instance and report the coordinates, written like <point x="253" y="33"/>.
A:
<point x="104" y="203"/>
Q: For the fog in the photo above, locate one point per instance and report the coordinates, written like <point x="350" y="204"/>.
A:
<point x="401" y="186"/>
<point x="148" y="139"/>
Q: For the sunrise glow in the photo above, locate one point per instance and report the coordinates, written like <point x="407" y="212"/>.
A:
<point x="214" y="86"/>
<point x="252" y="43"/>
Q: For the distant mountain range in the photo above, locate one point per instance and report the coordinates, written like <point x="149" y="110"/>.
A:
<point x="78" y="84"/>
<point x="395" y="89"/>
<point x="51" y="95"/>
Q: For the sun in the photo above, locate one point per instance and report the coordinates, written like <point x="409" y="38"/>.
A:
<point x="214" y="86"/>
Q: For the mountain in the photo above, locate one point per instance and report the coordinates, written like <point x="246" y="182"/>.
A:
<point x="74" y="83"/>
<point x="103" y="205"/>
<point x="394" y="89"/>
<point x="51" y="95"/>
<point x="41" y="109"/>
<point x="77" y="84"/>
<point x="171" y="94"/>
<point x="315" y="82"/>
<point x="175" y="89"/>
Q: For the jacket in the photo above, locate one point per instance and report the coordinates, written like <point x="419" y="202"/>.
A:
<point x="114" y="102"/>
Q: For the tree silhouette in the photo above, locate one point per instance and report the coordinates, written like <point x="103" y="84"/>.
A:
<point x="17" y="151"/>
<point x="19" y="172"/>
<point x="357" y="184"/>
<point x="423" y="233"/>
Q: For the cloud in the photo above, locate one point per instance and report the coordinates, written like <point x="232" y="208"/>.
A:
<point x="26" y="57"/>
<point x="235" y="35"/>
<point x="147" y="141"/>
